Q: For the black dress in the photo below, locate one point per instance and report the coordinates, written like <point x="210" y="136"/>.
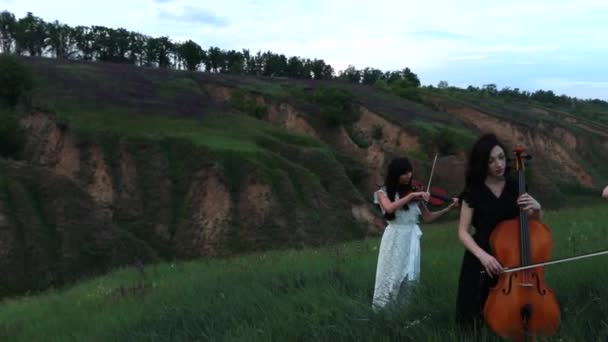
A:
<point x="488" y="211"/>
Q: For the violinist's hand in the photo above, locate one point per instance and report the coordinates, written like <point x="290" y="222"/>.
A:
<point x="420" y="195"/>
<point x="527" y="202"/>
<point x="491" y="265"/>
<point x="605" y="192"/>
<point x="414" y="196"/>
<point x="455" y="203"/>
<point x="426" y="196"/>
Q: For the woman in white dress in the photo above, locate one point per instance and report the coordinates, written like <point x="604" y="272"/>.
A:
<point x="399" y="255"/>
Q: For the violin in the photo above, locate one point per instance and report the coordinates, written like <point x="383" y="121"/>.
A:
<point x="438" y="195"/>
<point x="521" y="303"/>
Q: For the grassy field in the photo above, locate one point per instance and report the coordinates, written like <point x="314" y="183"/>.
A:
<point x="309" y="294"/>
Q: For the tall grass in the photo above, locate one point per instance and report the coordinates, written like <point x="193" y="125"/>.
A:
<point x="310" y="294"/>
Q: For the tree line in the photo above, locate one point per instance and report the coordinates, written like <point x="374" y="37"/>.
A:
<point x="541" y="96"/>
<point x="32" y="36"/>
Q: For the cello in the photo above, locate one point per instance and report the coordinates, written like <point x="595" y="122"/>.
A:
<point x="521" y="304"/>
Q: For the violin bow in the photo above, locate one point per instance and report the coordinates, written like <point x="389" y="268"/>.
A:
<point x="428" y="187"/>
<point x="557" y="261"/>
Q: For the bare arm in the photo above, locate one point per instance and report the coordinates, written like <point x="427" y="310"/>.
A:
<point x="430" y="216"/>
<point x="466" y="215"/>
<point x="491" y="265"/>
<point x="391" y="206"/>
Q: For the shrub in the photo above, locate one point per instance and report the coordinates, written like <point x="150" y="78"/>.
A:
<point x="242" y="101"/>
<point x="15" y="80"/>
<point x="10" y="137"/>
<point x="437" y="138"/>
<point x="336" y="106"/>
<point x="358" y="137"/>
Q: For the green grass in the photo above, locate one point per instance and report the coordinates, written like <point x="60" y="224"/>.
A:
<point x="218" y="131"/>
<point x="442" y="138"/>
<point x="312" y="294"/>
<point x="81" y="71"/>
<point x="173" y="87"/>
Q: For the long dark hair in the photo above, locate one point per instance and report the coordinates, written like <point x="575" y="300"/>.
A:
<point x="477" y="167"/>
<point x="396" y="168"/>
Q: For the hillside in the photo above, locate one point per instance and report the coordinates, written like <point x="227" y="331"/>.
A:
<point x="125" y="165"/>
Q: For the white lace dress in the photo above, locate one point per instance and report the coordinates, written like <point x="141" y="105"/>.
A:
<point x="399" y="255"/>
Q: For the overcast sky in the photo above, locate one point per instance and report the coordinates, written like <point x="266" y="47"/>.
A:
<point x="559" y="45"/>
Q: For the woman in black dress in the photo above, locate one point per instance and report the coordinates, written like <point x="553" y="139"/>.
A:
<point x="490" y="196"/>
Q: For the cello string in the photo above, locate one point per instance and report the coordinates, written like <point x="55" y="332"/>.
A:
<point x="524" y="237"/>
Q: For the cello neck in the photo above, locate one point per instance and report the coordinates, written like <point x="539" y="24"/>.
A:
<point x="523" y="215"/>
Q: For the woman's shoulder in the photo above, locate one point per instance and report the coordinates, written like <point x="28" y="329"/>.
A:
<point x="380" y="191"/>
<point x="471" y="195"/>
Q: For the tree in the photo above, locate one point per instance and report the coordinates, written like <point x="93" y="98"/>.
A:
<point x="235" y="62"/>
<point x="320" y="70"/>
<point x="15" y="79"/>
<point x="295" y="68"/>
<point x="273" y="64"/>
<point x="84" y="39"/>
<point x="490" y="89"/>
<point x="60" y="39"/>
<point x="215" y="57"/>
<point x="351" y="74"/>
<point x="121" y="41"/>
<point x="8" y="30"/>
<point x="30" y="35"/>
<point x="406" y="75"/>
<point x="411" y="77"/>
<point x="158" y="51"/>
<point x="371" y="75"/>
<point x="137" y="48"/>
<point x="191" y="53"/>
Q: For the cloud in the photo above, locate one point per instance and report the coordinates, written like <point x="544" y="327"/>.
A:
<point x="194" y="16"/>
<point x="514" y="48"/>
<point x="468" y="57"/>
<point x="432" y="34"/>
<point x="567" y="83"/>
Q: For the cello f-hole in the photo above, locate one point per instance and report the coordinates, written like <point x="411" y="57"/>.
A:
<point x="541" y="291"/>
<point x="508" y="289"/>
